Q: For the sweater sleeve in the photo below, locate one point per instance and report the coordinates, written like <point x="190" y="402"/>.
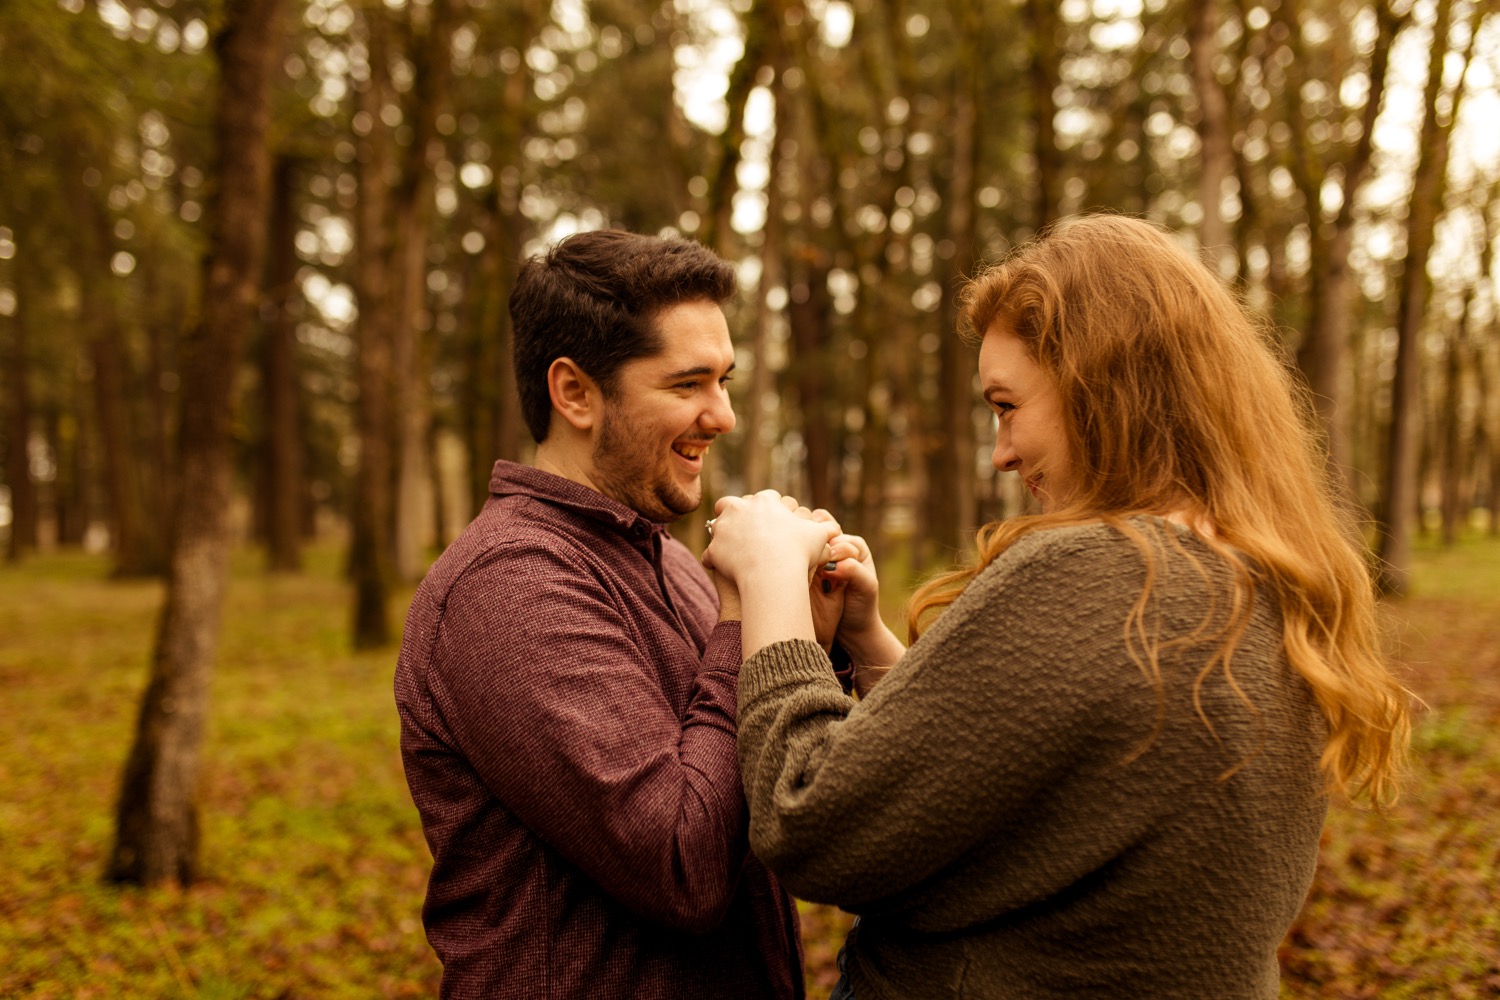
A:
<point x="557" y="703"/>
<point x="854" y="803"/>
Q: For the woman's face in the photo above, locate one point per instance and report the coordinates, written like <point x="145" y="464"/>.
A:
<point x="1031" y="438"/>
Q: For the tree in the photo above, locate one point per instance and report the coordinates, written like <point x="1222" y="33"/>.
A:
<point x="282" y="450"/>
<point x="1429" y="186"/>
<point x="1324" y="349"/>
<point x="16" y="435"/>
<point x="369" y="556"/>
<point x="412" y="203"/>
<point x="156" y="833"/>
<point x="1216" y="156"/>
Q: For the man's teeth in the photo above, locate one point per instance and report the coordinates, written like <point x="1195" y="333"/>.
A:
<point x="690" y="450"/>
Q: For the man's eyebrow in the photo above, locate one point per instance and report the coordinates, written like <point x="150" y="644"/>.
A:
<point x="694" y="372"/>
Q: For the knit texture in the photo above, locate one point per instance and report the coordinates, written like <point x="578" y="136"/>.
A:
<point x="567" y="706"/>
<point x="1002" y="810"/>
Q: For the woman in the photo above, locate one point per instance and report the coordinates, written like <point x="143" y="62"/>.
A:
<point x="1102" y="770"/>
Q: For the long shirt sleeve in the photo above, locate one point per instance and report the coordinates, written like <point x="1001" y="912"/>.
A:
<point x="567" y="707"/>
<point x="566" y="721"/>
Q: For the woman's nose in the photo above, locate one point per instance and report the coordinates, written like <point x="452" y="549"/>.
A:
<point x="1005" y="458"/>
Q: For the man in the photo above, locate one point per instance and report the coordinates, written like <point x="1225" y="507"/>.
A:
<point x="566" y="693"/>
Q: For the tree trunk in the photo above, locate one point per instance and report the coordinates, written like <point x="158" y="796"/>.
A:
<point x="1324" y="351"/>
<point x="138" y="546"/>
<point x="282" y="447"/>
<point x="1217" y="160"/>
<point x="1043" y="77"/>
<point x="370" y="556"/>
<point x="497" y="429"/>
<point x="1401" y="485"/>
<point x="807" y="315"/>
<point x="759" y="21"/>
<point x="755" y="469"/>
<point x="71" y="494"/>
<point x="410" y="356"/>
<point x="1453" y="448"/>
<point x="137" y="537"/>
<point x="157" y="827"/>
<point x="955" y="495"/>
<point x="163" y="333"/>
<point x="23" y="505"/>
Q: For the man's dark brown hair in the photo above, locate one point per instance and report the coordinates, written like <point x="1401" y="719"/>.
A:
<point x="595" y="297"/>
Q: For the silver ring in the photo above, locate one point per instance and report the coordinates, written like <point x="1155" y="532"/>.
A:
<point x="709" y="524"/>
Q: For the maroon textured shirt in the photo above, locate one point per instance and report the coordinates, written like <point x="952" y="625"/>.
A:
<point x="567" y="704"/>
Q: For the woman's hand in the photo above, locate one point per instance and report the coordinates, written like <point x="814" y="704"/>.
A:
<point x="764" y="532"/>
<point x="767" y="551"/>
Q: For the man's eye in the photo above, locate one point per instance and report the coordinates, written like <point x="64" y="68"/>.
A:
<point x="726" y="379"/>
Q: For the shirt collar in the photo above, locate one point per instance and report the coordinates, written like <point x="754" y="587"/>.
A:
<point x="514" y="479"/>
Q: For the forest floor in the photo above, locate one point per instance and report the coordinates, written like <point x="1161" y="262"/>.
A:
<point x="314" y="865"/>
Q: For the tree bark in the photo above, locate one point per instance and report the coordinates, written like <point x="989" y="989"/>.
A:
<point x="755" y="469"/>
<point x="1042" y="79"/>
<point x="956" y="499"/>
<point x="1401" y="483"/>
<point x="370" y="555"/>
<point x="1323" y="354"/>
<point x="282" y="447"/>
<point x="18" y="417"/>
<point x="410" y="356"/>
<point x="137" y="538"/>
<point x="1216" y="163"/>
<point x="497" y="430"/>
<point x="156" y="836"/>
<point x="807" y="316"/>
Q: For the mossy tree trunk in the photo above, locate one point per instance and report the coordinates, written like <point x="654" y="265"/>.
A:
<point x="156" y="835"/>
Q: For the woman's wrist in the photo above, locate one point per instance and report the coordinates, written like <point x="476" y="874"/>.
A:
<point x="876" y="646"/>
<point x="773" y="606"/>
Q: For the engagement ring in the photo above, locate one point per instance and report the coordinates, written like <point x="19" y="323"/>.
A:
<point x="709" y="524"/>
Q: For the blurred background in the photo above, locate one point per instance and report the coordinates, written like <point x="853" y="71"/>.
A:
<point x="255" y="255"/>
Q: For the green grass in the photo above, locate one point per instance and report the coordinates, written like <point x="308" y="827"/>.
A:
<point x="314" y="865"/>
<point x="313" y="861"/>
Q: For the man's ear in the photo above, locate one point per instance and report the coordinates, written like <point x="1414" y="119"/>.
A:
<point x="575" y="396"/>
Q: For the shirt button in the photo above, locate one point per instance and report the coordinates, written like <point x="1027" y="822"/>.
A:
<point x="640" y="531"/>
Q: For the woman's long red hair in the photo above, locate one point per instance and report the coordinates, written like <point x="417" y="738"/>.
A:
<point x="1176" y="400"/>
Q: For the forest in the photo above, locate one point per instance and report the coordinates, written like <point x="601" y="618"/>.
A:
<point x="255" y="257"/>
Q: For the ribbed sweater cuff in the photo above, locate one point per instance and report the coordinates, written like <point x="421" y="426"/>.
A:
<point x="785" y="664"/>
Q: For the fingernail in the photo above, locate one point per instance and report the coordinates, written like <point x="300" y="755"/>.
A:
<point x="830" y="567"/>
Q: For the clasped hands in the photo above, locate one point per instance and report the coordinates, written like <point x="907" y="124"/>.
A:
<point x="790" y="572"/>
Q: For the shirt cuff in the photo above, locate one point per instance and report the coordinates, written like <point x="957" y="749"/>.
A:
<point x="722" y="651"/>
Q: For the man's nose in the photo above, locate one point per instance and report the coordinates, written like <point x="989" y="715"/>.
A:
<point x="719" y="415"/>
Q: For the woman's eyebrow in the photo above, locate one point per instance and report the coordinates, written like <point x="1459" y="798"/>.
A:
<point x="995" y="387"/>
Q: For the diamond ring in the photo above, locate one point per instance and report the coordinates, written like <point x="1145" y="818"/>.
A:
<point x="709" y="524"/>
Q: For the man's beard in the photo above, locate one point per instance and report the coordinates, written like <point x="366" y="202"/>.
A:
<point x="627" y="471"/>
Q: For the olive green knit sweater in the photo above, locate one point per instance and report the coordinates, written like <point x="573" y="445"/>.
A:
<point x="1005" y="814"/>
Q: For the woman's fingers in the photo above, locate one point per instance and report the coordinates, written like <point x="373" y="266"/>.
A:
<point x="848" y="547"/>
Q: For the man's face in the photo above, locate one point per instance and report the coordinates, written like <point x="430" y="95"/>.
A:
<point x="665" y="412"/>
